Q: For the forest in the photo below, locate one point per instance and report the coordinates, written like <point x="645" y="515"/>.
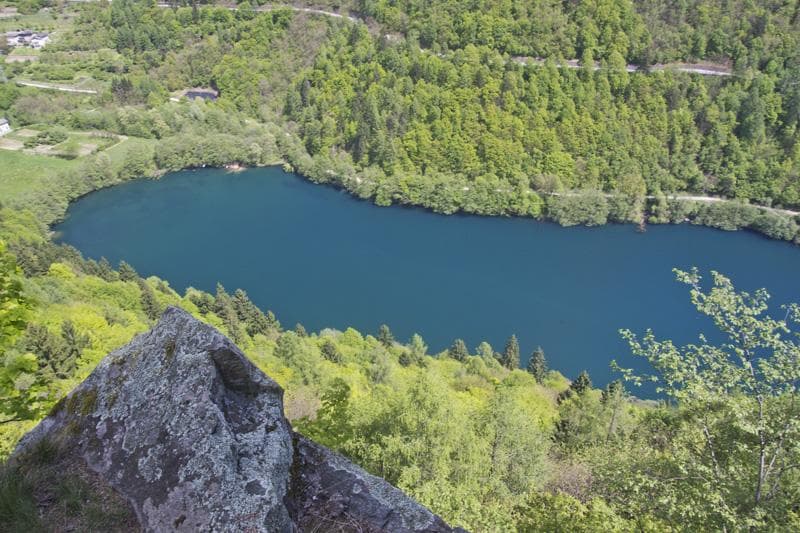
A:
<point x="459" y="122"/>
<point x="455" y="106"/>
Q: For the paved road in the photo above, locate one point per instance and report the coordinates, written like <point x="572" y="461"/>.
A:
<point x="703" y="69"/>
<point x="690" y="198"/>
<point x="265" y="8"/>
<point x="55" y="87"/>
<point x="712" y="199"/>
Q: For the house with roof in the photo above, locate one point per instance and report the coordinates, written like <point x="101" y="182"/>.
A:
<point x="39" y="40"/>
<point x="5" y="127"/>
<point x="27" y="38"/>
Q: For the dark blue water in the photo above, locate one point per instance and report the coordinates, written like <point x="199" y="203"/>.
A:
<point x="317" y="256"/>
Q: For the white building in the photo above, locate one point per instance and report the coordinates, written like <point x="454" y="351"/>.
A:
<point x="39" y="40"/>
<point x="27" y="38"/>
<point x="4" y="127"/>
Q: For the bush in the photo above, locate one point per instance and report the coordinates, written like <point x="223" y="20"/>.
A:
<point x="775" y="226"/>
<point x="48" y="137"/>
<point x="589" y="208"/>
<point x="729" y="216"/>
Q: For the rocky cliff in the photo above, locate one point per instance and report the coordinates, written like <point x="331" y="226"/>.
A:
<point x="185" y="431"/>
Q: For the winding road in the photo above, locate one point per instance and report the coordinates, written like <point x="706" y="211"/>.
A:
<point x="703" y="69"/>
<point x="54" y="87"/>
<point x="689" y="198"/>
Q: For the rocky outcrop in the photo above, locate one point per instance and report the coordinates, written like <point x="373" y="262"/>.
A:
<point x="184" y="427"/>
<point x="331" y="490"/>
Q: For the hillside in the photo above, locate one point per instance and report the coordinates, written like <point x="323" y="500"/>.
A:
<point x="481" y="107"/>
<point x="224" y="457"/>
<point x="485" y="445"/>
<point x="457" y="107"/>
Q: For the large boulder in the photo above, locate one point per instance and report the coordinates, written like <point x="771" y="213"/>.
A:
<point x="193" y="436"/>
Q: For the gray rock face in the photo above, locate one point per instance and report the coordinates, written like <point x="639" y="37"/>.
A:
<point x="193" y="435"/>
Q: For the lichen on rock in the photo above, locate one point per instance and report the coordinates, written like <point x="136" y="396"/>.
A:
<point x="183" y="426"/>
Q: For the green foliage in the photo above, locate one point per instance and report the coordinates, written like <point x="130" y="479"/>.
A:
<point x="458" y="350"/>
<point x="299" y="355"/>
<point x="441" y="115"/>
<point x="40" y="491"/>
<point x="127" y="272"/>
<point x="20" y="386"/>
<point x="13" y="304"/>
<point x="334" y="420"/>
<point x="48" y="137"/>
<point x="385" y="336"/>
<point x="151" y="306"/>
<point x="330" y="352"/>
<point x="474" y="130"/>
<point x="582" y="383"/>
<point x="589" y="208"/>
<point x="562" y="513"/>
<point x="510" y="358"/>
<point x="57" y="355"/>
<point x="537" y="365"/>
<point x="737" y="406"/>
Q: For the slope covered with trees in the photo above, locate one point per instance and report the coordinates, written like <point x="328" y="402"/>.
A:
<point x="464" y="119"/>
<point x="427" y="104"/>
<point x="487" y="445"/>
<point x="642" y="32"/>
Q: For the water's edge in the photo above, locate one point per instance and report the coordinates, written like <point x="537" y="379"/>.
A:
<point x="234" y="167"/>
<point x="316" y="255"/>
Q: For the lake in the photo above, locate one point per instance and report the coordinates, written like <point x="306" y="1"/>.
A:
<point x="315" y="255"/>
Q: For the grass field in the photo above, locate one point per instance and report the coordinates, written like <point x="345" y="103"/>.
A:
<point x="41" y="21"/>
<point x="23" y="173"/>
<point x="119" y="151"/>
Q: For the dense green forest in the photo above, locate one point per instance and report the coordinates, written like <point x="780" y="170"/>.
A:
<point x="455" y="106"/>
<point x="456" y="121"/>
<point x="642" y="32"/>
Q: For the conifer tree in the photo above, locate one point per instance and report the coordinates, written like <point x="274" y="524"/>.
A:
<point x="203" y="301"/>
<point x="127" y="272"/>
<point x="150" y="305"/>
<point x="74" y="344"/>
<point x="222" y="301"/>
<point x="582" y="384"/>
<point x="330" y="352"/>
<point x="417" y="346"/>
<point x="611" y="391"/>
<point x="242" y="305"/>
<point x="272" y="321"/>
<point x="385" y="336"/>
<point x="458" y="350"/>
<point x="538" y="365"/>
<point x="510" y="357"/>
<point x="47" y="347"/>
<point x="106" y="271"/>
